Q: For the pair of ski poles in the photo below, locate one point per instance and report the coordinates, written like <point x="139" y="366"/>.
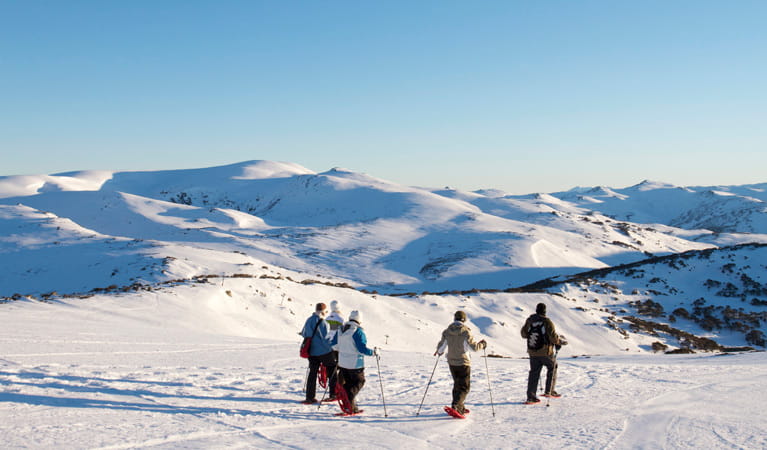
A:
<point x="489" y="386"/>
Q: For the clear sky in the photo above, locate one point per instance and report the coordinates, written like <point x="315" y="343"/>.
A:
<point x="524" y="96"/>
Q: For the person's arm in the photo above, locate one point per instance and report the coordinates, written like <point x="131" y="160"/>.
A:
<point x="361" y="342"/>
<point x="441" y="345"/>
<point x="551" y="333"/>
<point x="525" y="331"/>
<point x="474" y="345"/>
<point x="334" y="341"/>
<point x="308" y="328"/>
<point x="324" y="330"/>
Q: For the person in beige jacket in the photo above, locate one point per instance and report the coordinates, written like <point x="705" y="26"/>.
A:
<point x="458" y="340"/>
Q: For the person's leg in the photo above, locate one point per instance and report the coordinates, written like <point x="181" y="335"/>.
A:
<point x="461" y="385"/>
<point x="551" y="374"/>
<point x="334" y="380"/>
<point x="463" y="381"/>
<point x="311" y="382"/>
<point x="533" y="377"/>
<point x="454" y="372"/>
<point x="329" y="361"/>
<point x="353" y="388"/>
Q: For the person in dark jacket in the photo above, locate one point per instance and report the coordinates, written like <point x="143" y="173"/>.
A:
<point x="542" y="338"/>
<point x="320" y="352"/>
<point x="458" y="340"/>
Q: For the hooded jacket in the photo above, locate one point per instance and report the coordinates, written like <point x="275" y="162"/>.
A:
<point x="458" y="340"/>
<point x="552" y="338"/>
<point x="351" y="343"/>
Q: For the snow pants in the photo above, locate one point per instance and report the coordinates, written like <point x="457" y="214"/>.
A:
<point x="327" y="360"/>
<point x="536" y="364"/>
<point x="353" y="380"/>
<point x="461" y="386"/>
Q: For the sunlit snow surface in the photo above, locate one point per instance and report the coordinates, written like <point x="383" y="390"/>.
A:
<point x="192" y="368"/>
<point x="229" y="261"/>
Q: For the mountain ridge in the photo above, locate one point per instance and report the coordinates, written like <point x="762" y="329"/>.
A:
<point x="80" y="231"/>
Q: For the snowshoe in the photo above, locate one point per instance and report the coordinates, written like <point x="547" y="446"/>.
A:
<point x="453" y="413"/>
<point x="553" y="394"/>
<point x="532" y="401"/>
<point x="322" y="376"/>
<point x="346" y="414"/>
<point x="343" y="399"/>
<point x="312" y="401"/>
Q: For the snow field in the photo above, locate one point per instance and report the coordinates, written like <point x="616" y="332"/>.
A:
<point x="186" y="368"/>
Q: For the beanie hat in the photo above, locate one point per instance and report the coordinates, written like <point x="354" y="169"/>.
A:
<point x="320" y="307"/>
<point x="541" y="309"/>
<point x="334" y="306"/>
<point x="460" y="316"/>
<point x="355" y="316"/>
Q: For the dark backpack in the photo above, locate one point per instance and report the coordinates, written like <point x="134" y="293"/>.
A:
<point x="536" y="336"/>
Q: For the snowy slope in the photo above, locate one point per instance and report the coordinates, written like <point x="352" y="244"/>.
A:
<point x="88" y="231"/>
<point x="731" y="209"/>
<point x="75" y="232"/>
<point x="215" y="364"/>
<point x="718" y="294"/>
<point x="345" y="225"/>
<point x="160" y="309"/>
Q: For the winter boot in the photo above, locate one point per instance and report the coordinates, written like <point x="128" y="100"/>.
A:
<point x="532" y="400"/>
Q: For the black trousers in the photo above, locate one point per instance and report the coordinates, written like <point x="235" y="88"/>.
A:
<point x="329" y="361"/>
<point x="353" y="380"/>
<point x="536" y="364"/>
<point x="461" y="386"/>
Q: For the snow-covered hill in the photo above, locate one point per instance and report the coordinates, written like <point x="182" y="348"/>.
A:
<point x="161" y="308"/>
<point x="353" y="227"/>
<point x="83" y="232"/>
<point x="721" y="209"/>
<point x="215" y="364"/>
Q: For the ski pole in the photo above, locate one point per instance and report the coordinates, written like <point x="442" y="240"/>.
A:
<point x="306" y="378"/>
<point x="378" y="357"/>
<point x="548" y="399"/>
<point x="427" y="384"/>
<point x="489" y="388"/>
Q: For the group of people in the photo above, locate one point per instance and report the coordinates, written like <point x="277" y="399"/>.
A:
<point x="341" y="346"/>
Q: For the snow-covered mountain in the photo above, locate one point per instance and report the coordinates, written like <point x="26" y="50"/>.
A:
<point x="721" y="209"/>
<point x="76" y="232"/>
<point x="354" y="227"/>
<point x="160" y="309"/>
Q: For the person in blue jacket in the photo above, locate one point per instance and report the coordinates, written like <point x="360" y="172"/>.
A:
<point x="351" y="344"/>
<point x="320" y="352"/>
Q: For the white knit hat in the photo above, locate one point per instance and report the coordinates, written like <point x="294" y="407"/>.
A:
<point x="335" y="306"/>
<point x="355" y="316"/>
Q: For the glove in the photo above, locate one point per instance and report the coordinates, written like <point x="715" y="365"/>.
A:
<point x="376" y="352"/>
<point x="483" y="343"/>
<point x="562" y="340"/>
<point x="558" y="347"/>
<point x="437" y="353"/>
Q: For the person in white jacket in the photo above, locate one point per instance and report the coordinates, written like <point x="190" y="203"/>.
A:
<point x="351" y="343"/>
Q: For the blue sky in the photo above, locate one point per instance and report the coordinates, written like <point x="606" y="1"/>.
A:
<point x="521" y="96"/>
